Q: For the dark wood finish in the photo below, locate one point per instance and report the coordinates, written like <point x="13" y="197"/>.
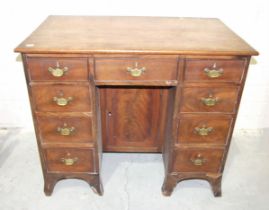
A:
<point x="178" y="153"/>
<point x="184" y="158"/>
<point x="81" y="127"/>
<point x="93" y="180"/>
<point x="43" y="96"/>
<point x="148" y="83"/>
<point x="220" y="124"/>
<point x="82" y="164"/>
<point x="77" y="69"/>
<point x="156" y="68"/>
<point x="84" y="142"/>
<point x="171" y="181"/>
<point x="143" y="35"/>
<point x="159" y="110"/>
<point x="130" y="121"/>
<point x="232" y="70"/>
<point x="226" y="96"/>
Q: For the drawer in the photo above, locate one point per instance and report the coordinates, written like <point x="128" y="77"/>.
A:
<point x="209" y="99"/>
<point x="136" y="68"/>
<point x="69" y="160"/>
<point x="58" y="69"/>
<point x="204" y="129"/>
<point x="62" y="98"/>
<point x="198" y="70"/>
<point x="198" y="160"/>
<point x="65" y="129"/>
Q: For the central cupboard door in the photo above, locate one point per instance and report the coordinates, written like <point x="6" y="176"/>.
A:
<point x="133" y="118"/>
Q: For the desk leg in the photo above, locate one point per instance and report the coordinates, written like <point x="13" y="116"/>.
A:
<point x="168" y="185"/>
<point x="96" y="185"/>
<point x="215" y="182"/>
<point x="94" y="181"/>
<point x="49" y="184"/>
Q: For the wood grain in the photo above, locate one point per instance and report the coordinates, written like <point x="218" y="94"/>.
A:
<point x="48" y="125"/>
<point x="157" y="111"/>
<point x="156" y="69"/>
<point x="130" y="121"/>
<point x="84" y="161"/>
<point x="38" y="68"/>
<point x="43" y="96"/>
<point x="232" y="70"/>
<point x="220" y="125"/>
<point x="142" y="35"/>
<point x="183" y="160"/>
<point x="192" y="99"/>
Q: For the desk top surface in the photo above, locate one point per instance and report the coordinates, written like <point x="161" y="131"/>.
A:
<point x="139" y="35"/>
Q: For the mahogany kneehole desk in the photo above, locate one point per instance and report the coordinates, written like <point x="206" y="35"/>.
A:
<point x="134" y="84"/>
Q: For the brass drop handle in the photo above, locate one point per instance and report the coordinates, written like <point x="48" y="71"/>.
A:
<point x="203" y="131"/>
<point x="213" y="72"/>
<point x="136" y="72"/>
<point x="65" y="131"/>
<point x="198" y="161"/>
<point x="61" y="101"/>
<point x="210" y="100"/>
<point x="57" y="71"/>
<point x="69" y="161"/>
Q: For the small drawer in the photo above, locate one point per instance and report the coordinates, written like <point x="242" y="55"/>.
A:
<point x="198" y="70"/>
<point x="65" y="129"/>
<point x="198" y="160"/>
<point x="58" y="69"/>
<point x="209" y="99"/>
<point x="145" y="69"/>
<point x="62" y="98"/>
<point x="204" y="129"/>
<point x="69" y="160"/>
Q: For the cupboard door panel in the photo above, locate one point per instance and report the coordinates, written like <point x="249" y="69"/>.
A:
<point x="132" y="118"/>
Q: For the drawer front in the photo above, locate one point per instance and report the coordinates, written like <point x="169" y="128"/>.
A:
<point x="136" y="69"/>
<point x="69" y="160"/>
<point x="214" y="70"/>
<point x="65" y="129"/>
<point x="58" y="69"/>
<point x="209" y="99"/>
<point x="198" y="160"/>
<point x="62" y="98"/>
<point x="204" y="129"/>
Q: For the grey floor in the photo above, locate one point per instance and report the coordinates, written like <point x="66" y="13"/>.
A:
<point x="133" y="181"/>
